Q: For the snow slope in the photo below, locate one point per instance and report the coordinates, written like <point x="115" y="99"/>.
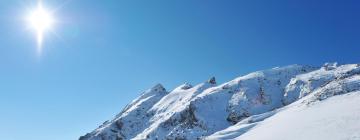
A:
<point x="132" y="120"/>
<point x="312" y="116"/>
<point x="337" y="118"/>
<point x="240" y="108"/>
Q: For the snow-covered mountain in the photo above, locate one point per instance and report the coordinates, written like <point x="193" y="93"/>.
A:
<point x="290" y="102"/>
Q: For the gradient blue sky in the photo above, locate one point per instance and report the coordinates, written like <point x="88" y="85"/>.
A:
<point x="104" y="53"/>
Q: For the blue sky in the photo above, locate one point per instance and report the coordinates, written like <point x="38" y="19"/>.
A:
<point x="103" y="54"/>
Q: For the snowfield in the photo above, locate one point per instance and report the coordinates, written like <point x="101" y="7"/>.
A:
<point x="337" y="118"/>
<point x="292" y="102"/>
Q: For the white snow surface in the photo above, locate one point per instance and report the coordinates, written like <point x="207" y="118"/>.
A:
<point x="292" y="102"/>
<point x="337" y="118"/>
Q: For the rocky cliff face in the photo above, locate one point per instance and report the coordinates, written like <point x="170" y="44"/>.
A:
<point x="206" y="110"/>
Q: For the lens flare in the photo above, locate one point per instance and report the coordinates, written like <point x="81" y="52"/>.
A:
<point x="40" y="20"/>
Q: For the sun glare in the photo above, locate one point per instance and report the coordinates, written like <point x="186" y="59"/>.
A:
<point x="40" y="20"/>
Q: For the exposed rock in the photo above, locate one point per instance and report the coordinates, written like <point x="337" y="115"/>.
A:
<point x="212" y="80"/>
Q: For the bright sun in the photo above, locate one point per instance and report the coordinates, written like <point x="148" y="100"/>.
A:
<point x="40" y="20"/>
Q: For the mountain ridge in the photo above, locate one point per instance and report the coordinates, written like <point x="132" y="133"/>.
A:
<point x="207" y="110"/>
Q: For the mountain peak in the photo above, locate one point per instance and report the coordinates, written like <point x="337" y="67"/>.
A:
<point x="212" y="80"/>
<point x="158" y="88"/>
<point x="185" y="86"/>
<point x="330" y="66"/>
